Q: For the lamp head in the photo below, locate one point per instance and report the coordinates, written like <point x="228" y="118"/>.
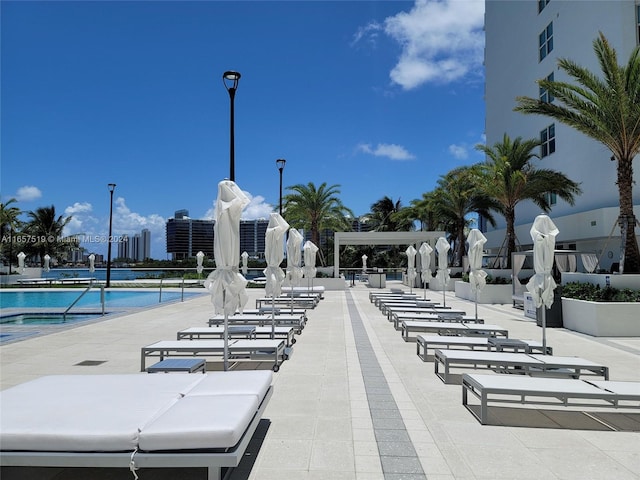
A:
<point x="230" y="79"/>
<point x="280" y="163"/>
<point x="111" y="186"/>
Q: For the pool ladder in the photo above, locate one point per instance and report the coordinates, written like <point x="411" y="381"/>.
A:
<point x="64" y="314"/>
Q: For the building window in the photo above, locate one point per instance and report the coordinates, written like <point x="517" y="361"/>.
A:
<point x="552" y="198"/>
<point x="542" y="4"/>
<point x="548" y="141"/>
<point x="545" y="44"/>
<point x="545" y="96"/>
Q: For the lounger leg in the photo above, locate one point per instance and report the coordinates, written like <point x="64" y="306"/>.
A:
<point x="214" y="473"/>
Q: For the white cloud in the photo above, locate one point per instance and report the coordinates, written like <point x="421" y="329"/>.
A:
<point x="459" y="151"/>
<point x="392" y="151"/>
<point x="28" y="193"/>
<point x="369" y="33"/>
<point x="441" y="40"/>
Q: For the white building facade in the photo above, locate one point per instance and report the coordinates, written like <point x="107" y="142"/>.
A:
<point x="524" y="40"/>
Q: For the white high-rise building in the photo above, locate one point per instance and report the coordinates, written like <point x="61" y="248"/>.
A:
<point x="524" y="40"/>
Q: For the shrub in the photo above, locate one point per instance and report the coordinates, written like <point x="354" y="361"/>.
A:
<point x="593" y="293"/>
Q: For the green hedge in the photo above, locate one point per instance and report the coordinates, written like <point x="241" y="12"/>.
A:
<point x="593" y="293"/>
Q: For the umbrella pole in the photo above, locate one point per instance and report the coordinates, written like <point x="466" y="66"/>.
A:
<point x="225" y="354"/>
<point x="273" y="316"/>
<point x="444" y="299"/>
<point x="544" y="327"/>
<point x="476" y="299"/>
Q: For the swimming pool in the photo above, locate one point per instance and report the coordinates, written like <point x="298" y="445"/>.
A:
<point x="64" y="298"/>
<point x="47" y="318"/>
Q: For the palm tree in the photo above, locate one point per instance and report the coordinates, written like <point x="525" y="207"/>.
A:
<point x="46" y="230"/>
<point x="606" y="109"/>
<point x="509" y="178"/>
<point x="456" y="197"/>
<point x="316" y="209"/>
<point x="9" y="222"/>
<point x="386" y="216"/>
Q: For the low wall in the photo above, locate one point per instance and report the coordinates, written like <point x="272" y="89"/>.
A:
<point x="631" y="281"/>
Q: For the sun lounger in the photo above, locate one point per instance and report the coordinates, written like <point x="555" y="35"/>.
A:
<point x="425" y="342"/>
<point x="557" y="392"/>
<point x="133" y="420"/>
<point x="296" y="321"/>
<point x="277" y="310"/>
<point x="284" y="302"/>
<point x="239" y="350"/>
<point x="373" y="296"/>
<point x="452" y="328"/>
<point x="433" y="310"/>
<point x="316" y="289"/>
<point x="239" y="331"/>
<point x="521" y="363"/>
<point x="383" y="303"/>
<point x="398" y="318"/>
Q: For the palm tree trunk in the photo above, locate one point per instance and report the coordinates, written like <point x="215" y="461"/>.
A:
<point x="510" y="217"/>
<point x="630" y="255"/>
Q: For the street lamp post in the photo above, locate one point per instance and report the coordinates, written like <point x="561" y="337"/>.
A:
<point x="112" y="187"/>
<point x="280" y="163"/>
<point x="230" y="80"/>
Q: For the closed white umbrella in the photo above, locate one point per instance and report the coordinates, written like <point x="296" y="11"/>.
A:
<point x="245" y="267"/>
<point x="364" y="263"/>
<point x="294" y="259"/>
<point x="541" y="285"/>
<point x="21" y="257"/>
<point x="226" y="284"/>
<point x="47" y="259"/>
<point x="442" y="247"/>
<point x="199" y="260"/>
<point x="477" y="276"/>
<point x="411" y="265"/>
<point x="425" y="251"/>
<point x="309" y="251"/>
<point x="274" y="254"/>
<point x="92" y="263"/>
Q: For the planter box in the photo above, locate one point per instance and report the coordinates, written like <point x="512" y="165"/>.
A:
<point x="602" y="319"/>
<point x="489" y="294"/>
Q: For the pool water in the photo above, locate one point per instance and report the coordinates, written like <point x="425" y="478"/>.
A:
<point x="46" y="318"/>
<point x="62" y="299"/>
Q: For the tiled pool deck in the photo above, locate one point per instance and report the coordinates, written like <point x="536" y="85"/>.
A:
<point x="356" y="402"/>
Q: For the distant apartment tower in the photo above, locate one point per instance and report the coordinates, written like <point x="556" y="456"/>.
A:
<point x="524" y="40"/>
<point x="123" y="247"/>
<point x="252" y="237"/>
<point x="186" y="236"/>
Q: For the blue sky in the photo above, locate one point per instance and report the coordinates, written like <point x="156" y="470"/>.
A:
<point x="378" y="97"/>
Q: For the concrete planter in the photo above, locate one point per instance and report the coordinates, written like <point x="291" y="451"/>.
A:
<point x="601" y="319"/>
<point x="489" y="294"/>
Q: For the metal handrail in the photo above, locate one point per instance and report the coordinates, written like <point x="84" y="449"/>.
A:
<point x="181" y="284"/>
<point x="64" y="314"/>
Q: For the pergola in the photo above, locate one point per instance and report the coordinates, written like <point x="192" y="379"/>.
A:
<point x="381" y="238"/>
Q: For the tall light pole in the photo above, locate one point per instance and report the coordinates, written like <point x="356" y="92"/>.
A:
<point x="112" y="187"/>
<point x="230" y="80"/>
<point x="280" y="163"/>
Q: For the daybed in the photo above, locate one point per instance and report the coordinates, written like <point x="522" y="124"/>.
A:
<point x="397" y="318"/>
<point x="424" y="342"/>
<point x="510" y="389"/>
<point x="133" y="421"/>
<point x="239" y="350"/>
<point x="434" y="310"/>
<point x="235" y="331"/>
<point x="518" y="363"/>
<point x="296" y="321"/>
<point x="453" y="328"/>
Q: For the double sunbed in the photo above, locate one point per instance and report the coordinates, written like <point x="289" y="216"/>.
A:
<point x="133" y="420"/>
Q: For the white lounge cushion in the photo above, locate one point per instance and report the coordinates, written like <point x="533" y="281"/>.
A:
<point x="200" y="422"/>
<point x="241" y="382"/>
<point x="85" y="412"/>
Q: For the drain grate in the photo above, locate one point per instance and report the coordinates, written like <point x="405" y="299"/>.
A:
<point x="90" y="363"/>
